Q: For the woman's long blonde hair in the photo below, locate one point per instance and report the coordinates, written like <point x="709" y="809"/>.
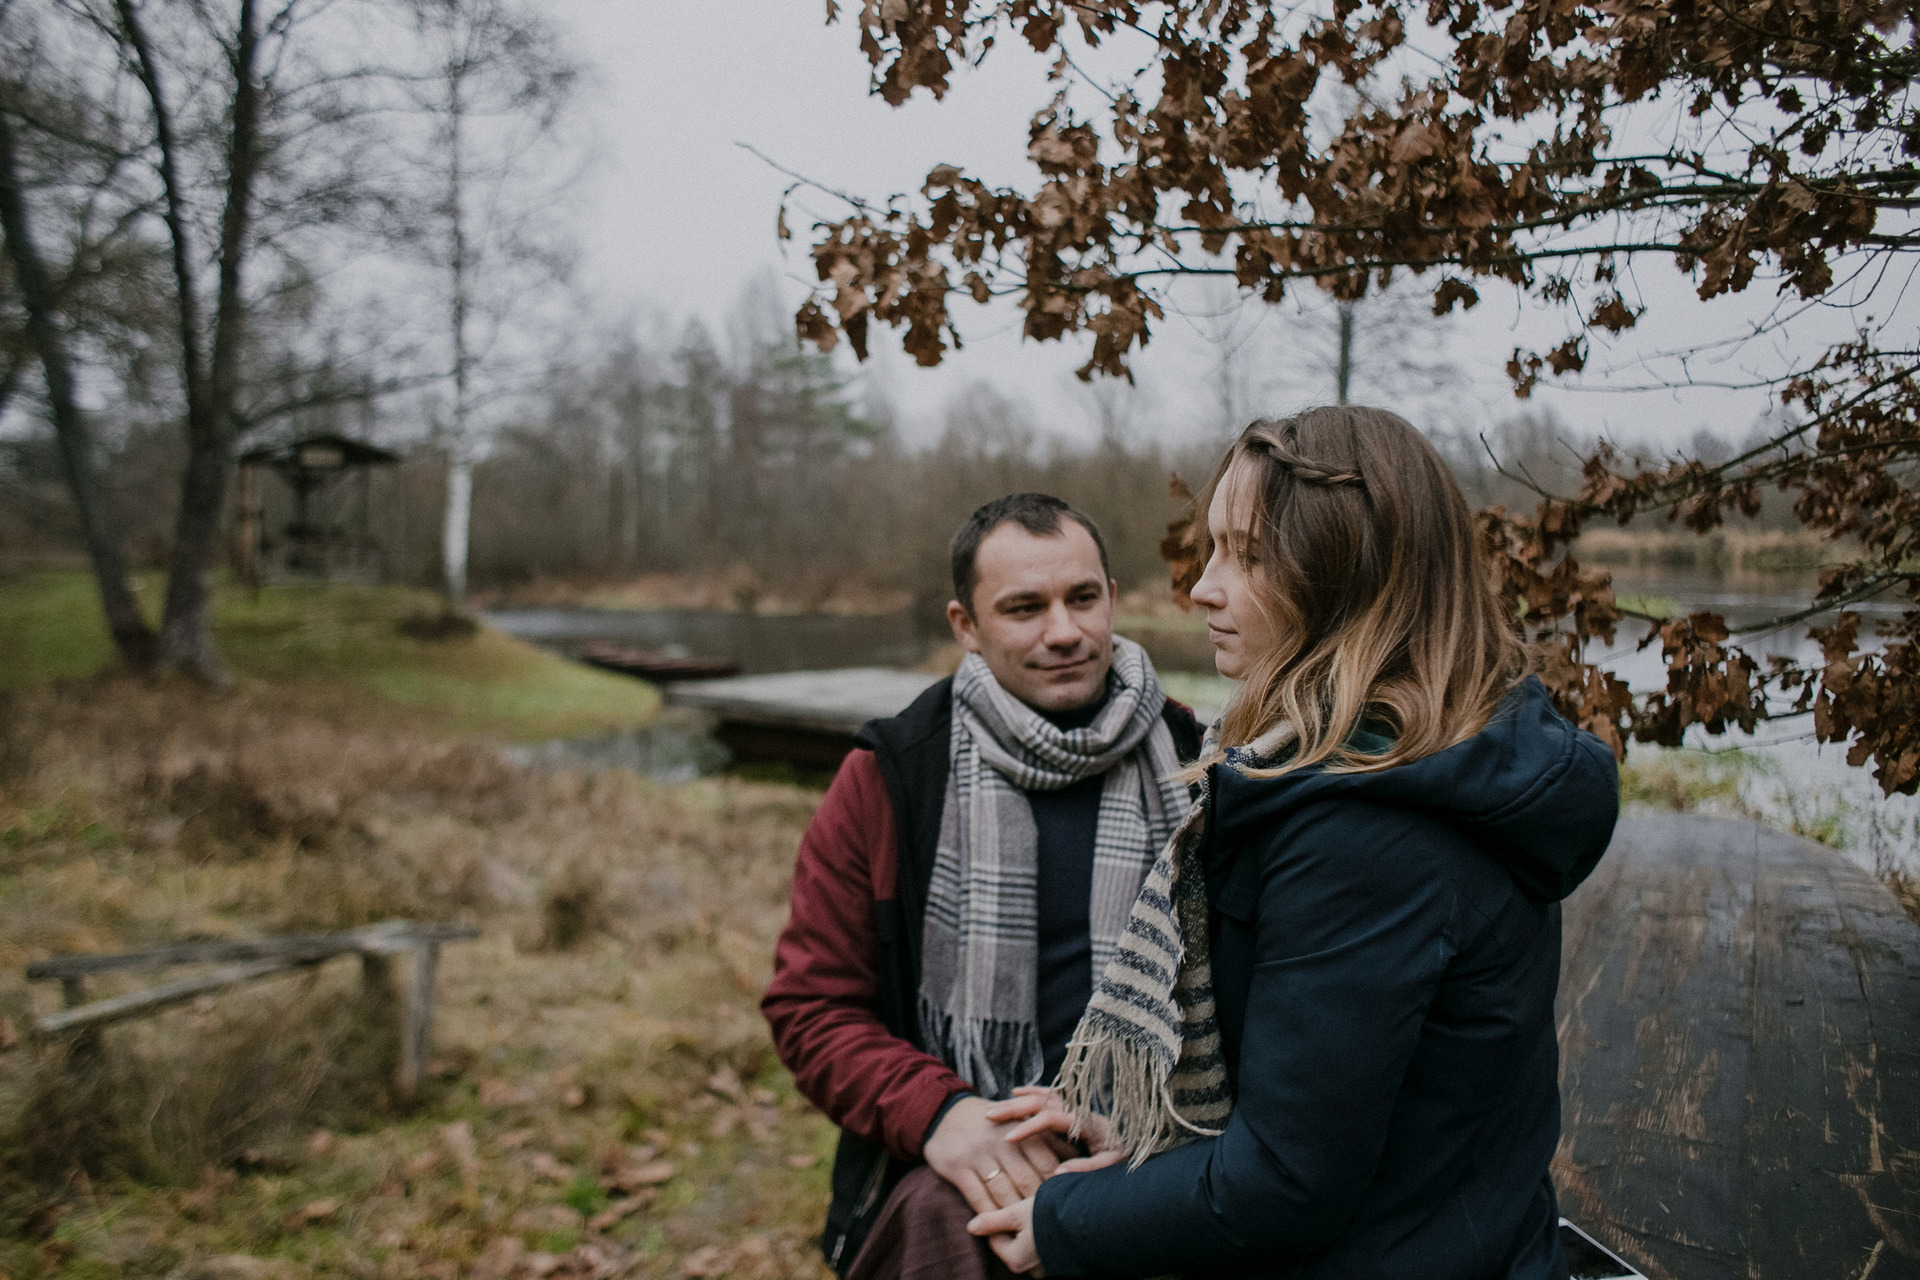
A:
<point x="1364" y="557"/>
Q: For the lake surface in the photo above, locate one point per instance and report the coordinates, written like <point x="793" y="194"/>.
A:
<point x="760" y="643"/>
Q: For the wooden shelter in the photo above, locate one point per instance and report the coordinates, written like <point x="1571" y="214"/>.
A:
<point x="329" y="534"/>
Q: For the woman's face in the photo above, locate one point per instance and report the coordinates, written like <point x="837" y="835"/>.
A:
<point x="1239" y="629"/>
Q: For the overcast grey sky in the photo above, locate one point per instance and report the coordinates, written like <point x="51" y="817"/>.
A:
<point x="674" y="216"/>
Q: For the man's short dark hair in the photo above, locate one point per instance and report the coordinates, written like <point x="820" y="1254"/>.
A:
<point x="1038" y="513"/>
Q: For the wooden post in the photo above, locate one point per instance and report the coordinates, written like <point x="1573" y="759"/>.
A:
<point x="399" y="967"/>
<point x="416" y="1018"/>
<point x="83" y="1044"/>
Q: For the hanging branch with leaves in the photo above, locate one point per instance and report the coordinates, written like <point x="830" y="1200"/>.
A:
<point x="1518" y="147"/>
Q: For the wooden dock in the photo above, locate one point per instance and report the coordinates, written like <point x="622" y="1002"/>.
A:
<point x="1740" y="1058"/>
<point x="804" y="718"/>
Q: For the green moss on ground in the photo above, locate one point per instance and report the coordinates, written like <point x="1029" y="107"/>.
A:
<point x="323" y="638"/>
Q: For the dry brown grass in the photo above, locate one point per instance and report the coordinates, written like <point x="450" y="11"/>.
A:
<point x="602" y="1029"/>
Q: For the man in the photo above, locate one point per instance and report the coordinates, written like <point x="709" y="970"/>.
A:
<point x="967" y="875"/>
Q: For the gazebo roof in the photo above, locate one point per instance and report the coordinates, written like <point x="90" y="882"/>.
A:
<point x="321" y="451"/>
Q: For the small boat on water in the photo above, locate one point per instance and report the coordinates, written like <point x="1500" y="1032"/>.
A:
<point x="654" y="664"/>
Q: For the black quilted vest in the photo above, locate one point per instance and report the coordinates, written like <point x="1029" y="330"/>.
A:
<point x="912" y="752"/>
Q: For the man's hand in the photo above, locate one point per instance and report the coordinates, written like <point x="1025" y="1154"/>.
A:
<point x="980" y="1157"/>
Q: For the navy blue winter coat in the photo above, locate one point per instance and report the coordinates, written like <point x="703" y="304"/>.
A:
<point x="1386" y="948"/>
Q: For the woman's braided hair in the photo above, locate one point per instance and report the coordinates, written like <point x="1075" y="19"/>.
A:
<point x="1277" y="438"/>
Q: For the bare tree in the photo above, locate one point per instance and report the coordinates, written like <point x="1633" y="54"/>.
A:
<point x="132" y="637"/>
<point x="498" y="85"/>
<point x="209" y="355"/>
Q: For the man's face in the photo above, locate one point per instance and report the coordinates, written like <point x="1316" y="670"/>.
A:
<point x="1042" y="615"/>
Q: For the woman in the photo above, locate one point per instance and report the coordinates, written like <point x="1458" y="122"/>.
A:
<point x="1327" y="1047"/>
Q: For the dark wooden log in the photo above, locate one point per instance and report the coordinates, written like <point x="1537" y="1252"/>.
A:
<point x="1740" y="1058"/>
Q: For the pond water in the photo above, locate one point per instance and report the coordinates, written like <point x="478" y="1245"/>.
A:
<point x="1778" y="773"/>
<point x="760" y="643"/>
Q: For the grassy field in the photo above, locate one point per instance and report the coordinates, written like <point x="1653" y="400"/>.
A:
<point x="314" y="645"/>
<point x="603" y="1100"/>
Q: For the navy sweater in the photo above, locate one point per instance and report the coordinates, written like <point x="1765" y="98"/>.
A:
<point x="1386" y="948"/>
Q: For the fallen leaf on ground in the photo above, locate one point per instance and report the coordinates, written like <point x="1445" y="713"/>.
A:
<point x="320" y="1143"/>
<point x="545" y="1166"/>
<point x="498" y="1260"/>
<point x="635" y="1176"/>
<point x="726" y="1082"/>
<point x="713" y="1260"/>
<point x="314" y="1211"/>
<point x="214" y="1183"/>
<point x="498" y="1093"/>
<point x="614" y="1157"/>
<point x="422" y="1162"/>
<point x="610" y="1216"/>
<point x="764" y="1096"/>
<point x="9" y="1035"/>
<point x="540" y="1264"/>
<point x="547" y="1217"/>
<point x="513" y="1138"/>
<point x="600" y="1260"/>
<point x="761" y="1121"/>
<point x="803" y="1160"/>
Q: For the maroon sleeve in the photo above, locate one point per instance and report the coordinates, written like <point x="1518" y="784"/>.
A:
<point x="821" y="1001"/>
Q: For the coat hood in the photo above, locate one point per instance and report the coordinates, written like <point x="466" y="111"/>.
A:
<point x="1533" y="791"/>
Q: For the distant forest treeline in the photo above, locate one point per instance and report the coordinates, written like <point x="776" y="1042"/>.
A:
<point x="758" y="460"/>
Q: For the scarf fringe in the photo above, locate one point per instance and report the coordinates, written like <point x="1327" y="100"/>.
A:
<point x="1122" y="1082"/>
<point x="981" y="1050"/>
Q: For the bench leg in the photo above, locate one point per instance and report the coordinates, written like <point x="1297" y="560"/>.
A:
<point x="421" y="966"/>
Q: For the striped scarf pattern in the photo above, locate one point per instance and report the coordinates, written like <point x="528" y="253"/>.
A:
<point x="980" y="944"/>
<point x="1146" y="1058"/>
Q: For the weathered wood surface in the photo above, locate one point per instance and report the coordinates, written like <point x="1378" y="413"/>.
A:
<point x="1740" y="1043"/>
<point x="291" y="946"/>
<point x="826" y="701"/>
<point x="799" y="717"/>
<point x="153" y="999"/>
<point x="399" y="960"/>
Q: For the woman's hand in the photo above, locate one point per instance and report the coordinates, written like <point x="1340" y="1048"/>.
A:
<point x="1009" y="1232"/>
<point x="1040" y="1111"/>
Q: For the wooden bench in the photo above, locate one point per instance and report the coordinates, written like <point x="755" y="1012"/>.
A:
<point x="398" y="959"/>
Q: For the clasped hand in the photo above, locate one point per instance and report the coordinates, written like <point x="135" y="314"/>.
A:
<point x="998" y="1153"/>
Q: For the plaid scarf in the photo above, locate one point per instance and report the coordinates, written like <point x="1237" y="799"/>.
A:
<point x="1146" y="1056"/>
<point x="980" y="962"/>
